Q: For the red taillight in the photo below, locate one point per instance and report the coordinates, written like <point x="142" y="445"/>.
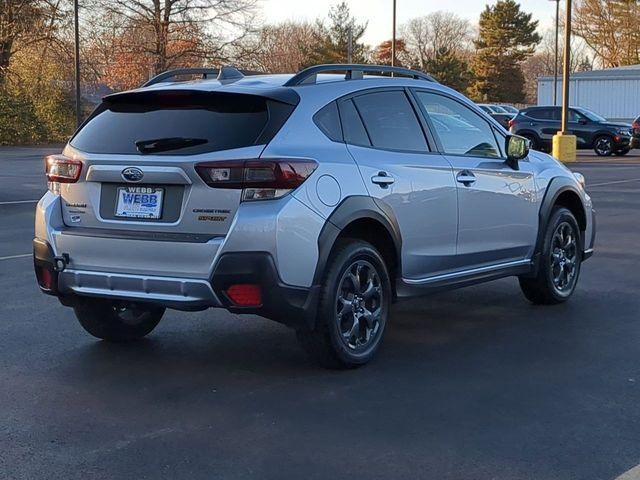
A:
<point x="258" y="179"/>
<point x="62" y="169"/>
<point x="511" y="123"/>
<point x="245" y="295"/>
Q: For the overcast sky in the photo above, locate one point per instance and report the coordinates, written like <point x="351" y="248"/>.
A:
<point x="378" y="12"/>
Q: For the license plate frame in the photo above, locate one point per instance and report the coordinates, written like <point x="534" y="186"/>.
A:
<point x="137" y="207"/>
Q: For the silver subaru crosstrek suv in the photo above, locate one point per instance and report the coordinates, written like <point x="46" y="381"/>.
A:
<point x="315" y="199"/>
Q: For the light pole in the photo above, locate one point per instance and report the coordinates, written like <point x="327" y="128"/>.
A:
<point x="393" y="37"/>
<point x="564" y="143"/>
<point x="565" y="69"/>
<point x="76" y="25"/>
<point x="555" y="63"/>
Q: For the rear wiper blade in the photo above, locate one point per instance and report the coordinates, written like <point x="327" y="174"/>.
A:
<point x="165" y="144"/>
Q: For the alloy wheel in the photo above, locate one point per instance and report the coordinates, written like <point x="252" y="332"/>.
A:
<point x="359" y="305"/>
<point x="603" y="146"/>
<point x="563" y="258"/>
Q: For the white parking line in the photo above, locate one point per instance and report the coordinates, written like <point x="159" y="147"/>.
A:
<point x="613" y="182"/>
<point x="24" y="255"/>
<point x="633" y="474"/>
<point x="16" y="202"/>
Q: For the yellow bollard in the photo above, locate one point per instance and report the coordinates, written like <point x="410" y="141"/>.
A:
<point x="564" y="147"/>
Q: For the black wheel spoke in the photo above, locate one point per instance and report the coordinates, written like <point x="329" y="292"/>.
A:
<point x="563" y="256"/>
<point x="359" y="304"/>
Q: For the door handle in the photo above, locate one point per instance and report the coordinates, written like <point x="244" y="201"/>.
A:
<point x="465" y="177"/>
<point x="383" y="179"/>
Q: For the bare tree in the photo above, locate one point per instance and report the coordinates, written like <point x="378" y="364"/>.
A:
<point x="279" y="48"/>
<point x="436" y="32"/>
<point x="170" y="31"/>
<point x="611" y="28"/>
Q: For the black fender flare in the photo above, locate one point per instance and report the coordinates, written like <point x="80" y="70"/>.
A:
<point x="349" y="210"/>
<point x="557" y="186"/>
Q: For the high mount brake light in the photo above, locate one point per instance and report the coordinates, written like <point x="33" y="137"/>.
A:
<point x="258" y="179"/>
<point x="61" y="169"/>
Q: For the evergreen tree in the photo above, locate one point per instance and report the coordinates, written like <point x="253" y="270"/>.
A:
<point x="449" y="69"/>
<point x="333" y="39"/>
<point x="507" y="37"/>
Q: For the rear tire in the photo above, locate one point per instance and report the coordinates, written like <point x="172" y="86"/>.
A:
<point x="353" y="309"/>
<point x="117" y="321"/>
<point x="603" y="146"/>
<point x="559" y="262"/>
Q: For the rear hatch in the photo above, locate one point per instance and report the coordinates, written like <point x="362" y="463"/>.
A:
<point x="139" y="151"/>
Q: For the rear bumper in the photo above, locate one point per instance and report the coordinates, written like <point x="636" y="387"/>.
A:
<point x="292" y="306"/>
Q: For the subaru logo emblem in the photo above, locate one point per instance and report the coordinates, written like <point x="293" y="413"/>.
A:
<point x="132" y="174"/>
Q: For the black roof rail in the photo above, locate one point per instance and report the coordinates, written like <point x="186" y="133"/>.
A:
<point x="226" y="73"/>
<point x="353" y="71"/>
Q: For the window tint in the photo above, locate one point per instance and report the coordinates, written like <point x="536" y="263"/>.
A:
<point x="460" y="129"/>
<point x="328" y="121"/>
<point x="352" y="127"/>
<point x="390" y="121"/>
<point x="573" y="116"/>
<point x="188" y="122"/>
<point x="543" y="114"/>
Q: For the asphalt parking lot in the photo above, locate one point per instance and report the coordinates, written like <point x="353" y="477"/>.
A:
<point x="471" y="384"/>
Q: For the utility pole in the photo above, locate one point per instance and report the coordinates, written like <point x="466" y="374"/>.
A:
<point x="564" y="143"/>
<point x="393" y="37"/>
<point x="555" y="63"/>
<point x="565" y="69"/>
<point x="77" y="62"/>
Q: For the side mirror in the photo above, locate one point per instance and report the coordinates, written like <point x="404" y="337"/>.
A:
<point x="517" y="148"/>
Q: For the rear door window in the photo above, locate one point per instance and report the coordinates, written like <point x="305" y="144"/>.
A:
<point x="390" y="121"/>
<point x="352" y="126"/>
<point x="328" y="120"/>
<point x="543" y="114"/>
<point x="180" y="123"/>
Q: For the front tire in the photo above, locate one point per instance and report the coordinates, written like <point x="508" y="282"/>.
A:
<point x="117" y="321"/>
<point x="559" y="262"/>
<point x="603" y="146"/>
<point x="353" y="310"/>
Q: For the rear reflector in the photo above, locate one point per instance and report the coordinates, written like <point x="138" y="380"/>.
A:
<point x="62" y="169"/>
<point x="45" y="277"/>
<point x="258" y="179"/>
<point x="245" y="295"/>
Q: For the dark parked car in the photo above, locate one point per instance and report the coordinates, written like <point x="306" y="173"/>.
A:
<point x="498" y="113"/>
<point x="635" y="130"/>
<point x="540" y="124"/>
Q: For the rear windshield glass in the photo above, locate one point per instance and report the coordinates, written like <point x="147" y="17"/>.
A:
<point x="180" y="123"/>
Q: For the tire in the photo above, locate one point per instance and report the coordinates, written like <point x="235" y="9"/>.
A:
<point x="559" y="262"/>
<point x="352" y="314"/>
<point x="603" y="146"/>
<point x="117" y="321"/>
<point x="622" y="152"/>
<point x="534" y="143"/>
